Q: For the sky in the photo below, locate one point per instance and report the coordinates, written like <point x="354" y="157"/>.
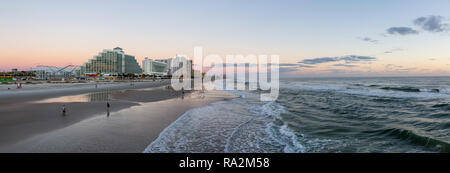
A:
<point x="312" y="37"/>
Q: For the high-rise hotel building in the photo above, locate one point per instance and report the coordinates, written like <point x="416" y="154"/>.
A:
<point x="112" y="62"/>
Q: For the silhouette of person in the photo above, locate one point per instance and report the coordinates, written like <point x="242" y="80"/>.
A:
<point x="107" y="108"/>
<point x="64" y="109"/>
<point x="182" y="93"/>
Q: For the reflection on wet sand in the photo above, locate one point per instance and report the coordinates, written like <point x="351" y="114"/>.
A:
<point x="90" y="97"/>
<point x="99" y="96"/>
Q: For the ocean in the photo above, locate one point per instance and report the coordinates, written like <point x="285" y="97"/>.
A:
<point x="321" y="115"/>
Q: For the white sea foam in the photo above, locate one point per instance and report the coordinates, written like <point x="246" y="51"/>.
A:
<point x="294" y="146"/>
<point x="238" y="125"/>
<point x="203" y="129"/>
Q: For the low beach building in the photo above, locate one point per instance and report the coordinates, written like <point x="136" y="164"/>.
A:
<point x="44" y="72"/>
<point x="163" y="67"/>
<point x="155" y="67"/>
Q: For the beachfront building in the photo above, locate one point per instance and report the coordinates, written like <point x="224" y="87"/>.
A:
<point x="181" y="59"/>
<point x="163" y="67"/>
<point x="112" y="62"/>
<point x="155" y="67"/>
<point x="52" y="72"/>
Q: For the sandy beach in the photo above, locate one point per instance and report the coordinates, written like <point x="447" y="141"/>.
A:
<point x="31" y="120"/>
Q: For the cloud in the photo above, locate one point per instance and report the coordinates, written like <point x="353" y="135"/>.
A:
<point x="336" y="71"/>
<point x="398" y="68"/>
<point x="368" y="39"/>
<point x="401" y="31"/>
<point x="287" y="64"/>
<point x="347" y="59"/>
<point x="391" y="66"/>
<point x="305" y="66"/>
<point x="296" y="65"/>
<point x="319" y="60"/>
<point x="345" y="65"/>
<point x="287" y="69"/>
<point x="432" y="23"/>
<point x="406" y="69"/>
<point x="432" y="59"/>
<point x="393" y="50"/>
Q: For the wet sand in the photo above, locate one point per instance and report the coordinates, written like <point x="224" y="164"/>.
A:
<point x="41" y="91"/>
<point x="135" y="119"/>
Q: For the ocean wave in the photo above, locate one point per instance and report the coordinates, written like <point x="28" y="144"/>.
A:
<point x="237" y="125"/>
<point x="410" y="136"/>
<point x="268" y="132"/>
<point x="252" y="136"/>
<point x="395" y="92"/>
<point x="411" y="89"/>
<point x="243" y="124"/>
<point x="441" y="105"/>
<point x="366" y="85"/>
<point x="202" y="129"/>
<point x="294" y="146"/>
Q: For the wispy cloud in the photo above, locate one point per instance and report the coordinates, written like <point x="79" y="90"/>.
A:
<point x="296" y="65"/>
<point x="401" y="31"/>
<point x="393" y="50"/>
<point x="391" y="66"/>
<point x="368" y="39"/>
<point x="406" y="69"/>
<point x="287" y="69"/>
<point x="345" y="65"/>
<point x="347" y="59"/>
<point x="398" y="68"/>
<point x="432" y="23"/>
<point x="305" y="66"/>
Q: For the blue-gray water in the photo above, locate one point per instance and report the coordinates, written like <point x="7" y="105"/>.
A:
<point x="404" y="114"/>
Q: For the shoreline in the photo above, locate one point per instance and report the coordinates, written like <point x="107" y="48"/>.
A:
<point x="136" y="118"/>
<point x="45" y="90"/>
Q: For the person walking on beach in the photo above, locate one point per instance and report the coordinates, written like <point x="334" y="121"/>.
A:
<point x="107" y="108"/>
<point x="182" y="93"/>
<point x="64" y="109"/>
